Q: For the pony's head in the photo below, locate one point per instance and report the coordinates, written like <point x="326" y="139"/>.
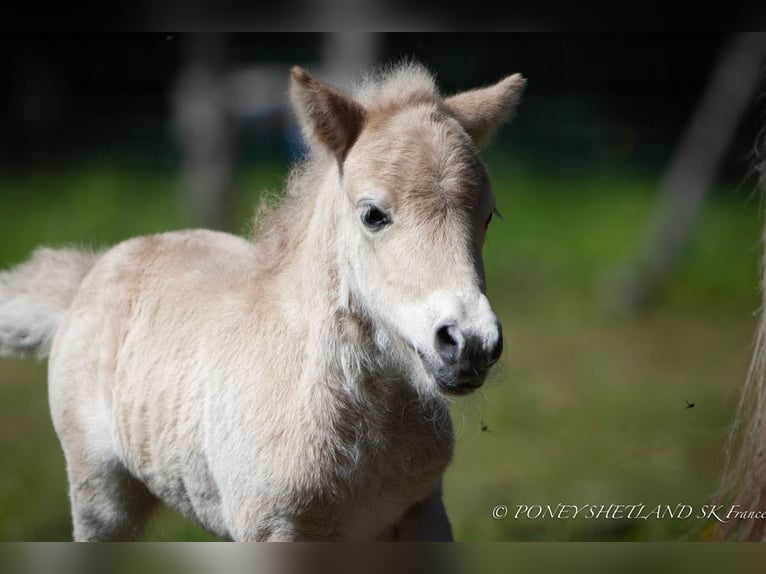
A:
<point x="416" y="202"/>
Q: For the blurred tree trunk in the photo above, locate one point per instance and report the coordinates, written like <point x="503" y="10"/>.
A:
<point x="205" y="130"/>
<point x="692" y="170"/>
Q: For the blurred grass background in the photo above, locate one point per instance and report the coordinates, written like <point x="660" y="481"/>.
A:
<point x="588" y="406"/>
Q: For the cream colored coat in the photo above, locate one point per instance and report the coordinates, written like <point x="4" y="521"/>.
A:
<point x="289" y="387"/>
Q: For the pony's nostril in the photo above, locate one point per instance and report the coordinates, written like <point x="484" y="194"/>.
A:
<point x="448" y="343"/>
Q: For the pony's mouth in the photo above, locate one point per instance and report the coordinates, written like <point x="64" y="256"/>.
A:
<point x="458" y="380"/>
<point x="459" y="389"/>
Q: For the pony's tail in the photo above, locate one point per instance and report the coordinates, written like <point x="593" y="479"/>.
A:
<point x="34" y="297"/>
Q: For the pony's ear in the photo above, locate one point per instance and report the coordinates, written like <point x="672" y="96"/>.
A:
<point x="325" y="114"/>
<point x="480" y="111"/>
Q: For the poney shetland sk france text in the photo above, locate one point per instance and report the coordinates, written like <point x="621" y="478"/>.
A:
<point x="718" y="512"/>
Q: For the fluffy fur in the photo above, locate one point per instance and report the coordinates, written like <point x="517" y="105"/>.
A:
<point x="283" y="388"/>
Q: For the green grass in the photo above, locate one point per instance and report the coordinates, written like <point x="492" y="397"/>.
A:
<point x="588" y="407"/>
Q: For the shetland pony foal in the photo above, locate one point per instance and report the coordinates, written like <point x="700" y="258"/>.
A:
<point x="291" y="387"/>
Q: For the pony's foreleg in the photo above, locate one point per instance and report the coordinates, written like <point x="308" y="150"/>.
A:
<point x="107" y="502"/>
<point x="425" y="521"/>
<point x="249" y="522"/>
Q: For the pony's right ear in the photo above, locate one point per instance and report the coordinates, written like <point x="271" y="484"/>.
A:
<point x="326" y="114"/>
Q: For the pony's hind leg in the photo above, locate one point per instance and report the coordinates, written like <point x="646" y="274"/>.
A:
<point x="107" y="502"/>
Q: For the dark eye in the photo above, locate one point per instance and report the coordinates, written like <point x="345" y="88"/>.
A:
<point x="374" y="217"/>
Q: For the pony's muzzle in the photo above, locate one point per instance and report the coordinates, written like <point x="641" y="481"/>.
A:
<point x="465" y="357"/>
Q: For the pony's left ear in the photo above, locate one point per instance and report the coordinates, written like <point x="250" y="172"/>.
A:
<point x="480" y="111"/>
<point x="326" y="114"/>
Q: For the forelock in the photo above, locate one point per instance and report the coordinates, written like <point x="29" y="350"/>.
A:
<point x="409" y="82"/>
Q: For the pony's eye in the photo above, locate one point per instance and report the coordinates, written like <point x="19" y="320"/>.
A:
<point x="374" y="217"/>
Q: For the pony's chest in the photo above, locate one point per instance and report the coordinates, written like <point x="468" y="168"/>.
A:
<point x="364" y="483"/>
<point x="383" y="498"/>
<point x="401" y="465"/>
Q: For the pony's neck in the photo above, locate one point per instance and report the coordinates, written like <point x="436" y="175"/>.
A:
<point x="315" y="262"/>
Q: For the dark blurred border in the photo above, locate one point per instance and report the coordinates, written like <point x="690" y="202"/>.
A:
<point x="377" y="15"/>
<point x="527" y="558"/>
